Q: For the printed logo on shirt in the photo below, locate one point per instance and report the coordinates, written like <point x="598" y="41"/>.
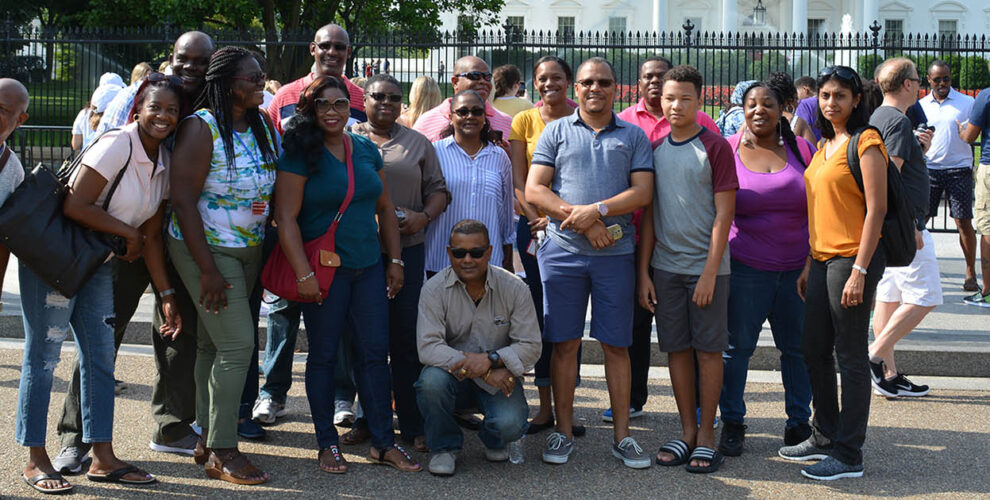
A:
<point x="501" y="321"/>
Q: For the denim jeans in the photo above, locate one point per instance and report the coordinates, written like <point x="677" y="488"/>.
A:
<point x="403" y="311"/>
<point x="755" y="296"/>
<point x="47" y="317"/>
<point x="440" y="394"/>
<point x="828" y="326"/>
<point x="283" y="328"/>
<point x="357" y="301"/>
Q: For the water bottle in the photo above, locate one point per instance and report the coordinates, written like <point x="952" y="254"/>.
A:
<point x="517" y="454"/>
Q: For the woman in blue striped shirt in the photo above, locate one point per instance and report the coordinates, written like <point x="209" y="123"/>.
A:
<point x="479" y="177"/>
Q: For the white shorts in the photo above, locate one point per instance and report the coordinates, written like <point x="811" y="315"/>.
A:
<point x="918" y="283"/>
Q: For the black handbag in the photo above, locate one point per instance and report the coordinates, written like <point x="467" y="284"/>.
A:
<point x="60" y="251"/>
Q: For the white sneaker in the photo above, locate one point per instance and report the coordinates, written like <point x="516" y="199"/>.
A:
<point x="343" y="412"/>
<point x="266" y="411"/>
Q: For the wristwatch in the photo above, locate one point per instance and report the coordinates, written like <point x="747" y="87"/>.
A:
<point x="399" y="262"/>
<point x="494" y="358"/>
<point x="602" y="208"/>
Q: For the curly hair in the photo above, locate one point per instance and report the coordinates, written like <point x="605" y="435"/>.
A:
<point x="685" y="74"/>
<point x="216" y="98"/>
<point x="303" y="138"/>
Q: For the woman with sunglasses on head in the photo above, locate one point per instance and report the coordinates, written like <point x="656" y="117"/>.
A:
<point x="768" y="244"/>
<point x="223" y="180"/>
<point x="134" y="160"/>
<point x="479" y="176"/>
<point x="840" y="277"/>
<point x="417" y="189"/>
<point x="313" y="184"/>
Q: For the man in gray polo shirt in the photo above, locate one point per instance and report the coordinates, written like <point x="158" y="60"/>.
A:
<point x="589" y="173"/>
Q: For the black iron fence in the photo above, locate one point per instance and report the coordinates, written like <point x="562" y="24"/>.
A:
<point x="61" y="68"/>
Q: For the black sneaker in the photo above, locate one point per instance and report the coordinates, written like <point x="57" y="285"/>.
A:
<point x="907" y="388"/>
<point x="794" y="434"/>
<point x="733" y="436"/>
<point x="885" y="388"/>
<point x="876" y="370"/>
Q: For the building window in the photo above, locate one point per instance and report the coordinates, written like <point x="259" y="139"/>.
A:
<point x="947" y="30"/>
<point x="816" y="28"/>
<point x="617" y="25"/>
<point x="518" y="23"/>
<point x="565" y="29"/>
<point x="893" y="30"/>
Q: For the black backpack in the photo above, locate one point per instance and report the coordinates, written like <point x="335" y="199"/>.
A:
<point x="898" y="231"/>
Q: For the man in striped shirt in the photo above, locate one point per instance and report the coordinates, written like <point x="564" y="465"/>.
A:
<point x="472" y="73"/>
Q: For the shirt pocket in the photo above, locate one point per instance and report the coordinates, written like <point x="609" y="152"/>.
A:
<point x="617" y="151"/>
<point x="491" y="185"/>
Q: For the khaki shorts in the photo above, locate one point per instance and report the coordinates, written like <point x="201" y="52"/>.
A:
<point x="981" y="209"/>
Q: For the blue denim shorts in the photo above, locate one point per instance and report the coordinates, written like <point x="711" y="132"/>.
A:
<point x="568" y="280"/>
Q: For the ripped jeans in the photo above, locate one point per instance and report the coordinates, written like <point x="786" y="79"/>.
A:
<point x="47" y="316"/>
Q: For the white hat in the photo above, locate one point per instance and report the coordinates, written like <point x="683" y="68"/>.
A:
<point x="102" y="97"/>
<point x="111" y="79"/>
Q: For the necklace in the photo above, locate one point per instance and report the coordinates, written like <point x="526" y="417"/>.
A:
<point x="476" y="153"/>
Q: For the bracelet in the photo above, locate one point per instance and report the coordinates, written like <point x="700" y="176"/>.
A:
<point x="399" y="262"/>
<point x="166" y="293"/>
<point x="304" y="278"/>
<point x="860" y="269"/>
<point x="485" y="378"/>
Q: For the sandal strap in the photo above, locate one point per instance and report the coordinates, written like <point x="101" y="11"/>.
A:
<point x="334" y="450"/>
<point x="703" y="453"/>
<point x="676" y="447"/>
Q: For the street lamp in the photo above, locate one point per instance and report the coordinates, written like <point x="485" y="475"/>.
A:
<point x="759" y="14"/>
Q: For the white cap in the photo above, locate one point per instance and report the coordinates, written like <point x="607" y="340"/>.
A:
<point x="111" y="79"/>
<point x="102" y="97"/>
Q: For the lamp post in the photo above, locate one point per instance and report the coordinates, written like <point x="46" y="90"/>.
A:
<point x="759" y="14"/>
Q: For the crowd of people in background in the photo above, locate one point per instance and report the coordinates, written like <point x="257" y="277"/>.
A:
<point x="659" y="214"/>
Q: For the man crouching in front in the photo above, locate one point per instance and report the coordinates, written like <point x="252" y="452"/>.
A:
<point x="476" y="334"/>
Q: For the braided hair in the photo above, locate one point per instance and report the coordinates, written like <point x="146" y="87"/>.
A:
<point x="216" y="98"/>
<point x="784" y="125"/>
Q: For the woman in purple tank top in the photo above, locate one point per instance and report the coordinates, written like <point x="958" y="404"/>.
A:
<point x="768" y="244"/>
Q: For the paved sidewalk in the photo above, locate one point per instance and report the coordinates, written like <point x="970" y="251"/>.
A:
<point x="924" y="448"/>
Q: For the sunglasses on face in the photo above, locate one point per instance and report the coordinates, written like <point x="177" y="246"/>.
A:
<point x="942" y="79"/>
<point x="339" y="105"/>
<point x="255" y="78"/>
<point x="464" y="112"/>
<point x="326" y="46"/>
<point x="475" y="76"/>
<point x="157" y="77"/>
<point x="591" y="83"/>
<point x="382" y="97"/>
<point x="460" y="253"/>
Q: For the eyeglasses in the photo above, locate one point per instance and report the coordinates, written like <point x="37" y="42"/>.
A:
<point x="942" y="79"/>
<point x="340" y="105"/>
<point x="382" y="97"/>
<point x="588" y="83"/>
<point x="326" y="46"/>
<point x="475" y="76"/>
<point x="255" y="78"/>
<point x="460" y="253"/>
<point x="463" y="112"/>
<point x="914" y="79"/>
<point x="157" y="77"/>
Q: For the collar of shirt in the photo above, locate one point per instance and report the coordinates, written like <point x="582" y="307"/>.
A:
<point x="487" y="148"/>
<point x="452" y="279"/>
<point x="642" y="112"/>
<point x="139" y="154"/>
<point x="931" y="96"/>
<point x="613" y="124"/>
<point x="490" y="110"/>
<point x="364" y="128"/>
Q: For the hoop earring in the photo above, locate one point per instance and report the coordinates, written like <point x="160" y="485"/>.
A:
<point x="135" y="117"/>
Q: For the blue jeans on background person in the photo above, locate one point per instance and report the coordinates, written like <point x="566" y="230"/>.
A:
<point x="756" y="296"/>
<point x="403" y="353"/>
<point x="440" y="394"/>
<point x="250" y="391"/>
<point x="47" y="316"/>
<point x="357" y="301"/>
<point x="283" y="329"/>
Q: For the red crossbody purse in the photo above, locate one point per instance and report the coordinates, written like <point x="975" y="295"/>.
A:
<point x="278" y="277"/>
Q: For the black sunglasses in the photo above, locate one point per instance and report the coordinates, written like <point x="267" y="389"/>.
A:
<point x="460" y="253"/>
<point x="255" y="78"/>
<point x="326" y="46"/>
<point x="591" y="83"/>
<point x="157" y="77"/>
<point x="942" y="79"/>
<point x="382" y="97"/>
<point x="475" y="76"/>
<point x="463" y="112"/>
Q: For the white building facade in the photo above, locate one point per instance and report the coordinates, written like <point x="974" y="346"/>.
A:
<point x="746" y="16"/>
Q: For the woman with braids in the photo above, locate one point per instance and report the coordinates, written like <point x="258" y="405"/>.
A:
<point x="768" y="244"/>
<point x="313" y="182"/>
<point x="222" y="182"/>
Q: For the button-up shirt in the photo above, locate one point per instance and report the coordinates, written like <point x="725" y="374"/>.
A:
<point x="658" y="128"/>
<point x="947" y="149"/>
<point x="433" y="122"/>
<point x="450" y="323"/>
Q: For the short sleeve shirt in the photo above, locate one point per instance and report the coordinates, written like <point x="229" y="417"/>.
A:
<point x="948" y="150"/>
<point x="688" y="174"/>
<point x="283" y="105"/>
<point x="590" y="167"/>
<point x="808" y="111"/>
<point x="836" y="205"/>
<point x="900" y="141"/>
<point x="658" y="128"/>
<point x="356" y="237"/>
<point x="980" y="117"/>
<point x="511" y="106"/>
<point x="11" y="176"/>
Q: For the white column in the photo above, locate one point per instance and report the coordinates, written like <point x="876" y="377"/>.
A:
<point x="729" y="16"/>
<point x="799" y="17"/>
<point x="659" y="16"/>
<point x="871" y="12"/>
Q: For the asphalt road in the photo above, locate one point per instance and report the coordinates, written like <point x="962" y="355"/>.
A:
<point x="929" y="447"/>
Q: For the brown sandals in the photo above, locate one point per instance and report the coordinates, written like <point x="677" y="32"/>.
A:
<point x="394" y="456"/>
<point x="234" y="467"/>
<point x="339" y="464"/>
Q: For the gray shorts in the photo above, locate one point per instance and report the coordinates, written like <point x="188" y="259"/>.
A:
<point x="682" y="324"/>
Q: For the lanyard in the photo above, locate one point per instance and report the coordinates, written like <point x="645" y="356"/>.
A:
<point x="249" y="151"/>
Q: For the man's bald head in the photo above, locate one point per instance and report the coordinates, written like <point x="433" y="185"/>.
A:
<point x="470" y="63"/>
<point x="333" y="29"/>
<point x="479" y="71"/>
<point x="195" y="39"/>
<point x="14" y="100"/>
<point x="189" y="60"/>
<point x="331" y="49"/>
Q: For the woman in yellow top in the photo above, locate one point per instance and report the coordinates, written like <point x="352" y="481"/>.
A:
<point x="840" y="278"/>
<point x="551" y="78"/>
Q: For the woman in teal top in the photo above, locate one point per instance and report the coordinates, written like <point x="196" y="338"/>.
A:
<point x="311" y="186"/>
<point x="222" y="179"/>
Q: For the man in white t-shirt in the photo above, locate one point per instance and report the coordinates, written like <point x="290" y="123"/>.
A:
<point x="14" y="101"/>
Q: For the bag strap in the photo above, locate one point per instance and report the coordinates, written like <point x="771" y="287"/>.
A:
<point x="348" y="159"/>
<point x="120" y="175"/>
<point x="852" y="155"/>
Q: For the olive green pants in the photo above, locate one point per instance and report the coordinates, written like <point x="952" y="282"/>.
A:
<point x="224" y="340"/>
